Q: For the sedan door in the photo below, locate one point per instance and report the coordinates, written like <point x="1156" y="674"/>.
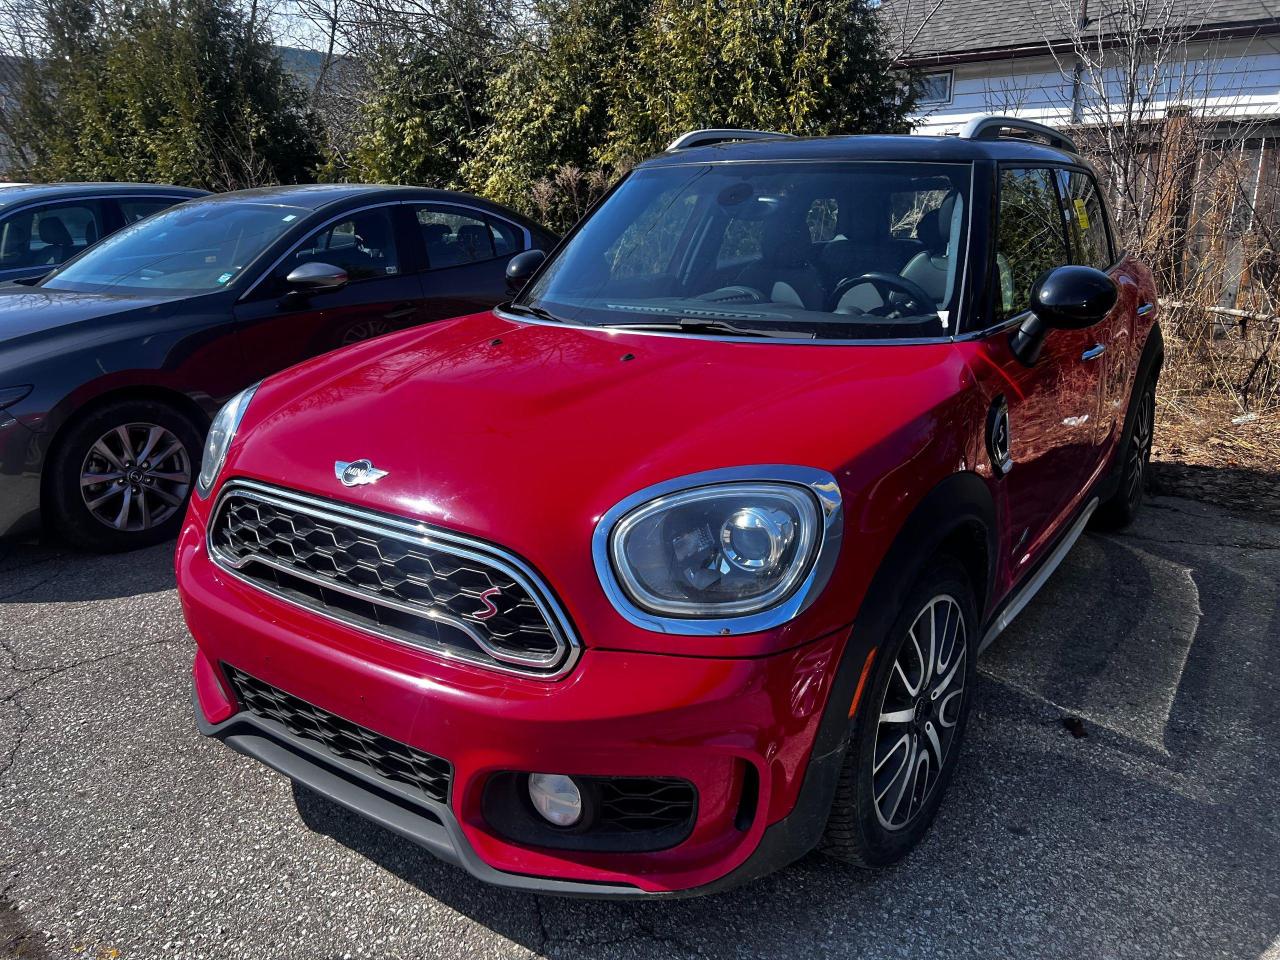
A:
<point x="467" y="250"/>
<point x="1052" y="404"/>
<point x="281" y="325"/>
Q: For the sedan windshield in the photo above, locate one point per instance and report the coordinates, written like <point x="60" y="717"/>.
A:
<point x="843" y="250"/>
<point x="188" y="249"/>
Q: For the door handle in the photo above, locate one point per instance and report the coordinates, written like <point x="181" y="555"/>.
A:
<point x="1094" y="352"/>
<point x="1145" y="309"/>
<point x="403" y="310"/>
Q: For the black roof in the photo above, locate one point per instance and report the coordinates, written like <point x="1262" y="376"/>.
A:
<point x="904" y="148"/>
<point x="11" y="194"/>
<point x="315" y="196"/>
<point x="925" y="29"/>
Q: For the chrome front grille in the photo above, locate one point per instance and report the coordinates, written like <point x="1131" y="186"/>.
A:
<point x="396" y="578"/>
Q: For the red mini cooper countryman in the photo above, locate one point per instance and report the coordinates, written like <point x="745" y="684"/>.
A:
<point x="678" y="565"/>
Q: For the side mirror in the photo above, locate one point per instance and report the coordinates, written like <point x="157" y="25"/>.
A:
<point x="521" y="267"/>
<point x="316" y="277"/>
<point x="1065" y="298"/>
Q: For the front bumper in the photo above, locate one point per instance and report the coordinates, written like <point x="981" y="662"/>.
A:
<point x="19" y="477"/>
<point x="740" y="730"/>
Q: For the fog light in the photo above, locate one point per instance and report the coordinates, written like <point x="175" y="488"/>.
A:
<point x="556" y="798"/>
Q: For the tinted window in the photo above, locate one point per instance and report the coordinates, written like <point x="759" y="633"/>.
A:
<point x="363" y="244"/>
<point x="1030" y="238"/>
<point x="133" y="210"/>
<point x="454" y="236"/>
<point x="192" y="248"/>
<point x="793" y="248"/>
<point x="1087" y="220"/>
<point x="48" y="235"/>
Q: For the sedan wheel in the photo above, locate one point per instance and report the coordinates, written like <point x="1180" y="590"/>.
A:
<point x="119" y="477"/>
<point x="135" y="477"/>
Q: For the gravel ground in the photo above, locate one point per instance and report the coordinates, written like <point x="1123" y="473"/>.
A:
<point x="1156" y="834"/>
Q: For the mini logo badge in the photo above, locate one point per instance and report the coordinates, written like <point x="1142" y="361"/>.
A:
<point x="489" y="607"/>
<point x="357" y="473"/>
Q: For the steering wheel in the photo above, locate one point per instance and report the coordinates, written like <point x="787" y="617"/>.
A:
<point x="909" y="299"/>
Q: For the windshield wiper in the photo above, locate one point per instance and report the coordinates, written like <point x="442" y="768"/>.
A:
<point x="537" y="312"/>
<point x="705" y="325"/>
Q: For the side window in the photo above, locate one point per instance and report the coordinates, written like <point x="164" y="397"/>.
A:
<point x="132" y="210"/>
<point x="454" y="236"/>
<point x="1030" y="236"/>
<point x="363" y="244"/>
<point x="1086" y="220"/>
<point x="47" y="236"/>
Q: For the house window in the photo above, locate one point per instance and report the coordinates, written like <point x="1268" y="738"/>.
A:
<point x="934" y="88"/>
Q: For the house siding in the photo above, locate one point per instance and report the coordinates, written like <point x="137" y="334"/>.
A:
<point x="1237" y="79"/>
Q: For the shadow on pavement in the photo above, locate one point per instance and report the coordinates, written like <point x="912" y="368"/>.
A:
<point x="1154" y="834"/>
<point x="53" y="573"/>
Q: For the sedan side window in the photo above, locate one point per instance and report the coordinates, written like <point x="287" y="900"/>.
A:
<point x="363" y="244"/>
<point x="133" y="210"/>
<point x="1030" y="236"/>
<point x="49" y="235"/>
<point x="454" y="236"/>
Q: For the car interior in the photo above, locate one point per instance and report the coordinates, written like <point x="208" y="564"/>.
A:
<point x="860" y="245"/>
<point x="39" y="238"/>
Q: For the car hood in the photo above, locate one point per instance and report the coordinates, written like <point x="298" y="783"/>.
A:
<point x="27" y="312"/>
<point x="484" y="424"/>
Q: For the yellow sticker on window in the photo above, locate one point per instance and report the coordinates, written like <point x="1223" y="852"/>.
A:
<point x="1082" y="214"/>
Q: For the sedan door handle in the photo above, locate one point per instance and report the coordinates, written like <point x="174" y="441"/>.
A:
<point x="1145" y="309"/>
<point x="1094" y="352"/>
<point x="401" y="311"/>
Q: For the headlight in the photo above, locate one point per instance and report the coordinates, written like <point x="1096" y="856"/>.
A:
<point x="722" y="550"/>
<point x="221" y="433"/>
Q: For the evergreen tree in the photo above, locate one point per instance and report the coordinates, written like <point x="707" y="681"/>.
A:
<point x="551" y="106"/>
<point x="808" y="67"/>
<point x="181" y="91"/>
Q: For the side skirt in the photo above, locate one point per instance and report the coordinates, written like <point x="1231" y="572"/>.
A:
<point x="1018" y="602"/>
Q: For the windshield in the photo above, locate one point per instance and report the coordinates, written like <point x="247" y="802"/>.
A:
<point x="187" y="249"/>
<point x="792" y="249"/>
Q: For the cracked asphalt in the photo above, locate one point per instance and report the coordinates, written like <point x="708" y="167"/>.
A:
<point x="124" y="834"/>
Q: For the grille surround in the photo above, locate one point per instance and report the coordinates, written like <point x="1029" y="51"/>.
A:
<point x="343" y="739"/>
<point x="390" y="587"/>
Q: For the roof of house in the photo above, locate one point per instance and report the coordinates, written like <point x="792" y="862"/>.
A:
<point x="933" y="29"/>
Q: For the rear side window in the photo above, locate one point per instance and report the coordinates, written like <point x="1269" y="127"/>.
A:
<point x="454" y="236"/>
<point x="1030" y="238"/>
<point x="1086" y="220"/>
<point x="46" y="236"/>
<point x="132" y="210"/>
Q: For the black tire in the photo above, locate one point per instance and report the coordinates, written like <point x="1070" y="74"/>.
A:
<point x="1120" y="509"/>
<point x="157" y="496"/>
<point x="858" y="831"/>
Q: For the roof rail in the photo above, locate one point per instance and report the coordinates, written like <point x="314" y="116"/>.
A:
<point x="702" y="138"/>
<point x="989" y="127"/>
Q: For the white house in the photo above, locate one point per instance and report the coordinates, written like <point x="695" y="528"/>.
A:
<point x="1065" y="61"/>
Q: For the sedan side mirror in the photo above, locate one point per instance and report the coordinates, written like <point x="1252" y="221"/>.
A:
<point x="1065" y="298"/>
<point x="316" y="277"/>
<point x="521" y="267"/>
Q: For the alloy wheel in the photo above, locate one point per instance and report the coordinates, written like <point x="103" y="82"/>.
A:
<point x="919" y="712"/>
<point x="135" y="477"/>
<point x="1140" y="446"/>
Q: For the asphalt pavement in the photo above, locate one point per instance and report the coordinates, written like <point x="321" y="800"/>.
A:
<point x="1155" y="833"/>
